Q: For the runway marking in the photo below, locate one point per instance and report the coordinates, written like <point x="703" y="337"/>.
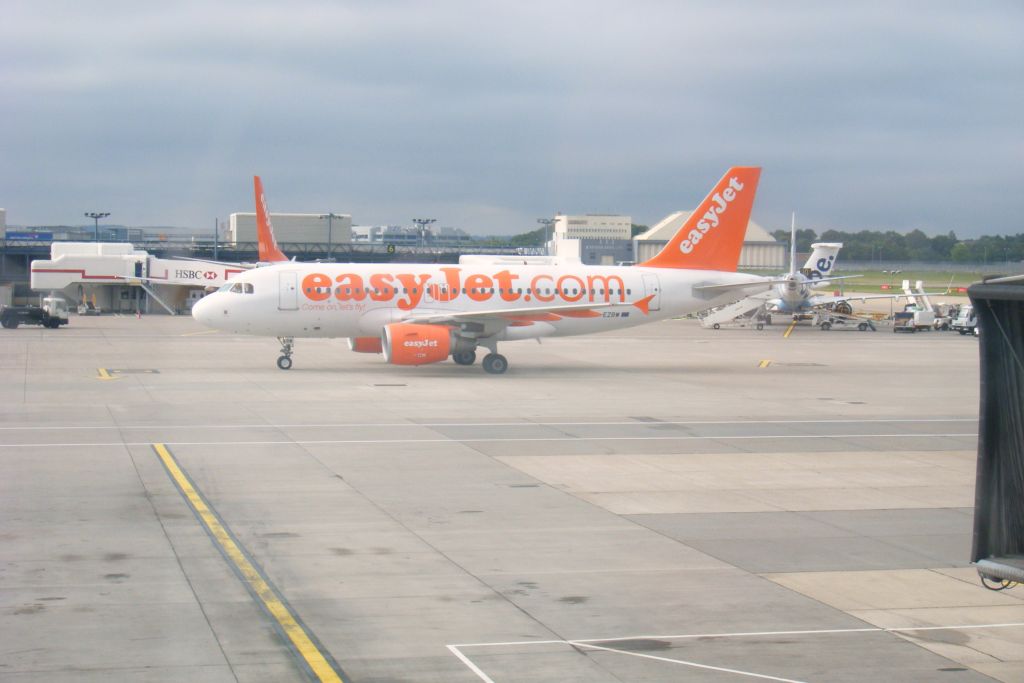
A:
<point x="789" y="330"/>
<point x="195" y="334"/>
<point x="315" y="442"/>
<point x="590" y="643"/>
<point x="104" y="374"/>
<point x="390" y="425"/>
<point x="454" y="649"/>
<point x="252" y="576"/>
<point x="764" y="364"/>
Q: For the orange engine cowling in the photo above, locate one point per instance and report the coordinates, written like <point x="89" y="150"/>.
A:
<point x="412" y="344"/>
<point x="366" y="344"/>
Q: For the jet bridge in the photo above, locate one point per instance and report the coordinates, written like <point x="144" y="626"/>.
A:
<point x="998" y="551"/>
<point x="99" y="265"/>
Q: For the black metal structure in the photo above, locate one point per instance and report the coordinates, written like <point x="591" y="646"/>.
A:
<point x="998" y="550"/>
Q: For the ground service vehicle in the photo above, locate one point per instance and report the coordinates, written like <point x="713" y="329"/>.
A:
<point x="965" y="321"/>
<point x="833" y="321"/>
<point x="53" y="313"/>
<point x="903" y="321"/>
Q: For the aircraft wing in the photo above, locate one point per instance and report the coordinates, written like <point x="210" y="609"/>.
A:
<point x="825" y="300"/>
<point x="525" y="313"/>
<point x="718" y="289"/>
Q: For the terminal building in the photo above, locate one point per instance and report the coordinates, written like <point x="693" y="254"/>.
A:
<point x="593" y="226"/>
<point x="601" y="239"/>
<point x="399" y="235"/>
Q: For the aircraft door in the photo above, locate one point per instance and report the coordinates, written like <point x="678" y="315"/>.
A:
<point x="288" y="291"/>
<point x="652" y="287"/>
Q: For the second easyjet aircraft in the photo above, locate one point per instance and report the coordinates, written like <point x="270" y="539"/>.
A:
<point x="419" y="314"/>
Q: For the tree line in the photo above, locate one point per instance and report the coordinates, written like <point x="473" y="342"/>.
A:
<point x="873" y="245"/>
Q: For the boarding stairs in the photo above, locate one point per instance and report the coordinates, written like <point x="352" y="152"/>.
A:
<point x="743" y="312"/>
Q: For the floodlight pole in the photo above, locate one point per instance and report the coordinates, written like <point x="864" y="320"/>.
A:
<point x="330" y="218"/>
<point x="547" y="223"/>
<point x="423" y="224"/>
<point x="96" y="216"/>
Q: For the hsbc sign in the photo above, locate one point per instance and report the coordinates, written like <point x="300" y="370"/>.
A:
<point x="186" y="274"/>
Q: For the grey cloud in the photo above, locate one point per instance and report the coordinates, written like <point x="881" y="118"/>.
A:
<point x="863" y="115"/>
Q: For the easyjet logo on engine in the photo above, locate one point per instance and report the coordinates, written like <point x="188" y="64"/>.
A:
<point x="408" y="290"/>
<point x="421" y="344"/>
<point x="711" y="218"/>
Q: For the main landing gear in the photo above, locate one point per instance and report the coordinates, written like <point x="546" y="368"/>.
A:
<point x="493" y="363"/>
<point x="464" y="357"/>
<point x="285" y="360"/>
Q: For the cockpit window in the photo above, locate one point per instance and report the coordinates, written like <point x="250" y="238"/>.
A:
<point x="237" y="288"/>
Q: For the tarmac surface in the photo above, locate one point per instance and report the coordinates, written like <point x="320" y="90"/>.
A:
<point x="654" y="504"/>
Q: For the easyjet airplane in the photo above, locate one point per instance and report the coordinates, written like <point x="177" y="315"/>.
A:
<point x="418" y="314"/>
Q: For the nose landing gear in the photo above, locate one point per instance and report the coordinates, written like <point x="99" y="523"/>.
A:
<point x="285" y="360"/>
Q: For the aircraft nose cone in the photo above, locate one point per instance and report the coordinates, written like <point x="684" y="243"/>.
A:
<point x="202" y="311"/>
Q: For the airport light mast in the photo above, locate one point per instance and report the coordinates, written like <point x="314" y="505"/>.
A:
<point x="96" y="216"/>
<point x="423" y="224"/>
<point x="547" y="223"/>
<point x="330" y="218"/>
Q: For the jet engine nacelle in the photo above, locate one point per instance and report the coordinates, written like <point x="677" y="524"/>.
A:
<point x="366" y="344"/>
<point x="412" y="344"/>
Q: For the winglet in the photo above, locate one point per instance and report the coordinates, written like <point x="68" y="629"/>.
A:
<point x="712" y="237"/>
<point x="268" y="249"/>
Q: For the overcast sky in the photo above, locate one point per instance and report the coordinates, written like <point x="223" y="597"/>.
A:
<point x="486" y="116"/>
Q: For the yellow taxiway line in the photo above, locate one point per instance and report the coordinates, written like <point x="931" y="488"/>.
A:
<point x="104" y="374"/>
<point x="251" y="575"/>
<point x="764" y="364"/>
<point x="789" y="330"/>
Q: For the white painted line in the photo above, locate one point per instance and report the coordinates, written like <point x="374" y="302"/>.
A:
<point x="391" y="425"/>
<point x="686" y="663"/>
<point x="589" y="643"/>
<point x="327" y="442"/>
<point x="745" y="634"/>
<point x="470" y="665"/>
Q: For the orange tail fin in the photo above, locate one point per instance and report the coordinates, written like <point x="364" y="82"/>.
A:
<point x="268" y="249"/>
<point x="712" y="237"/>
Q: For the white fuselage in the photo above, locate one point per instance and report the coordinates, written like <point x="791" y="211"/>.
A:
<point x="358" y="300"/>
<point x="794" y="295"/>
